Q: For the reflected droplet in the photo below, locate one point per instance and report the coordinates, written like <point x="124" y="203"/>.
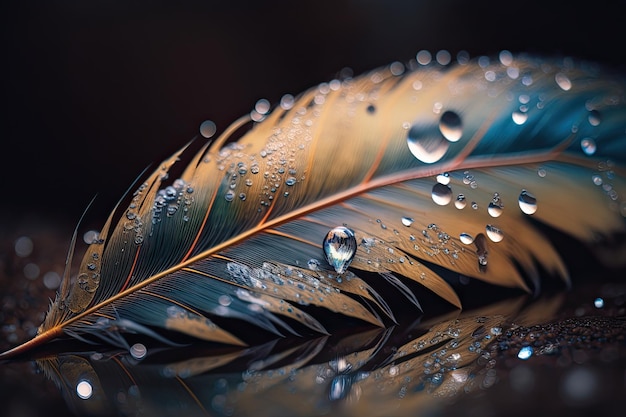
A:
<point x="84" y="390"/>
<point x="588" y="146"/>
<point x="427" y="148"/>
<point x="407" y="221"/>
<point x="340" y="248"/>
<point x="466" y="238"/>
<point x="460" y="202"/>
<point x="494" y="233"/>
<point x="527" y="202"/>
<point x="450" y="126"/>
<point x="441" y="194"/>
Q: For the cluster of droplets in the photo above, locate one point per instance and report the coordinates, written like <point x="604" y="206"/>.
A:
<point x="603" y="179"/>
<point x="442" y="194"/>
<point x="170" y="199"/>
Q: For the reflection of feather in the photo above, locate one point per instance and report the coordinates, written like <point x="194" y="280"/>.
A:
<point x="236" y="234"/>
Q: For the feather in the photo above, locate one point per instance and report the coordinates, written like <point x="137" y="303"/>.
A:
<point x="435" y="171"/>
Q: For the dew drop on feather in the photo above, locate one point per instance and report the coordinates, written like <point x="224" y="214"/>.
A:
<point x="450" y="126"/>
<point x="441" y="194"/>
<point x="339" y="248"/>
<point x="527" y="202"/>
<point x="426" y="147"/>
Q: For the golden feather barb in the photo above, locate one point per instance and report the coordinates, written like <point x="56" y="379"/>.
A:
<point x="429" y="171"/>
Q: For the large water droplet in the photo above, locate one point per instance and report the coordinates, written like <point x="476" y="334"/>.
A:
<point x="527" y="202"/>
<point x="588" y="146"/>
<point x="466" y="238"/>
<point x="340" y="247"/>
<point x="426" y="147"/>
<point x="494" y="233"/>
<point x="450" y="126"/>
<point x="441" y="194"/>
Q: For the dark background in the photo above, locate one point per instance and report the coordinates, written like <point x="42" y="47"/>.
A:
<point x="94" y="91"/>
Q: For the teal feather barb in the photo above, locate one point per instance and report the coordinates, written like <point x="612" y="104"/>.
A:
<point x="435" y="172"/>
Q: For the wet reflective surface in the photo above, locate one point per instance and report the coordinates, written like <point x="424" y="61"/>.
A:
<point x="558" y="354"/>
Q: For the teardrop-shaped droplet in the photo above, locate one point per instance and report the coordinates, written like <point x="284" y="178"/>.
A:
<point x="494" y="209"/>
<point x="527" y="202"/>
<point x="588" y="146"/>
<point x="460" y="202"/>
<point x="494" y="233"/>
<point x="425" y="146"/>
<point x="466" y="238"/>
<point x="443" y="178"/>
<point x="441" y="194"/>
<point x="340" y="248"/>
<point x="407" y="221"/>
<point x="450" y="126"/>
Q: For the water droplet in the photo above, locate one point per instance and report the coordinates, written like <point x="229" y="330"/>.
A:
<point x="23" y="246"/>
<point x="262" y="106"/>
<point x="494" y="233"/>
<point x="138" y="351"/>
<point x="525" y="353"/>
<point x="313" y="264"/>
<point x="494" y="209"/>
<point x="290" y="181"/>
<point x="207" y="128"/>
<point x="460" y="202"/>
<point x="527" y="202"/>
<point x="563" y="81"/>
<point x="598" y="302"/>
<point x="340" y="248"/>
<point x="466" y="238"/>
<point x="84" y="390"/>
<point x="597" y="180"/>
<point x="229" y="196"/>
<point x="588" y="146"/>
<point x="519" y="118"/>
<point x="594" y="118"/>
<point x="426" y="147"/>
<point x="450" y="126"/>
<point x="423" y="57"/>
<point x="287" y="101"/>
<point x="407" y="221"/>
<point x="441" y="194"/>
<point x="443" y="178"/>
